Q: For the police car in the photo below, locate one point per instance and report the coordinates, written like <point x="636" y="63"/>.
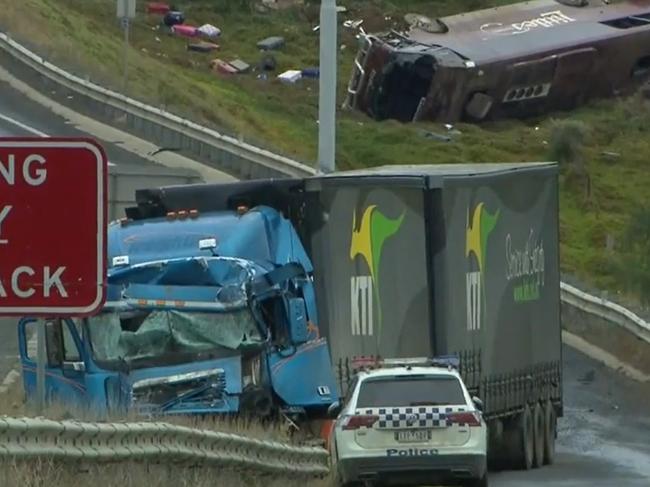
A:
<point x="409" y="422"/>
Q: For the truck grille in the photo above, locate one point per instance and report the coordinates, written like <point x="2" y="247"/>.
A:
<point x="192" y="389"/>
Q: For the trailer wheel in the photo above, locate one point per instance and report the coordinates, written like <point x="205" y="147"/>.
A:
<point x="524" y="440"/>
<point x="539" y="435"/>
<point x="550" y="426"/>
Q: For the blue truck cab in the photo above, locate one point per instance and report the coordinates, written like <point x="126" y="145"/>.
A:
<point x="206" y="313"/>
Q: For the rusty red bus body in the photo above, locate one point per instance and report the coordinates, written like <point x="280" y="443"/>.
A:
<point x="506" y="62"/>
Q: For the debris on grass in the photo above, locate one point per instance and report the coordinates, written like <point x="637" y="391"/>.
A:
<point x="202" y="47"/>
<point x="271" y="43"/>
<point x="290" y="76"/>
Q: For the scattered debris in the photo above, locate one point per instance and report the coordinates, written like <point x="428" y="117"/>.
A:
<point x="202" y="47"/>
<point x="174" y="17"/>
<point x="222" y="67"/>
<point x="159" y="8"/>
<point x="312" y="73"/>
<point x="268" y="63"/>
<point x="290" y="76"/>
<point x="209" y="30"/>
<point x="271" y="43"/>
<point x="185" y="30"/>
<point x="240" y="65"/>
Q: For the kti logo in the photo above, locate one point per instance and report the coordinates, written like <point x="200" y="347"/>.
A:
<point x="479" y="228"/>
<point x="368" y="239"/>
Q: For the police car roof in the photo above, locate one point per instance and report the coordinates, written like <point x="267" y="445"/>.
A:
<point x="410" y="370"/>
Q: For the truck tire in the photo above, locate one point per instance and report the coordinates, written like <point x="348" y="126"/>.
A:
<point x="521" y="441"/>
<point x="550" y="426"/>
<point x="539" y="435"/>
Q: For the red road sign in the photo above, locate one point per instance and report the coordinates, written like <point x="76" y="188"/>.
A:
<point x="53" y="195"/>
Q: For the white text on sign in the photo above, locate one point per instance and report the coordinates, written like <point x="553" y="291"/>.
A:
<point x="33" y="172"/>
<point x="48" y="279"/>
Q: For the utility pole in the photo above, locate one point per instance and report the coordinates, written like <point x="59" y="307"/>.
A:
<point x="327" y="87"/>
<point x="126" y="13"/>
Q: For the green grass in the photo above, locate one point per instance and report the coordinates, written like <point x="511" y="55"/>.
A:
<point x="84" y="35"/>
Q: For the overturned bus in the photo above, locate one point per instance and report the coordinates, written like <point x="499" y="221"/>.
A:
<point x="512" y="61"/>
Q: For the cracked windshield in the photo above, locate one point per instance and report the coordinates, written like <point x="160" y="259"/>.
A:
<point x="373" y="242"/>
<point x="158" y="336"/>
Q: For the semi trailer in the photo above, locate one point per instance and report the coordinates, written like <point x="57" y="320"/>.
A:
<point x="452" y="259"/>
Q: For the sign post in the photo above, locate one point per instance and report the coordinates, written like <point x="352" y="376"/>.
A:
<point x="126" y="13"/>
<point x="40" y="366"/>
<point x="53" y="227"/>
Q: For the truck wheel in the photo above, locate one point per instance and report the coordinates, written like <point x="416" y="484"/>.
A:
<point x="550" y="426"/>
<point x="539" y="435"/>
<point x="524" y="444"/>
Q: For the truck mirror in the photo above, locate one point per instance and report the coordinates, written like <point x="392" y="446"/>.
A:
<point x="334" y="409"/>
<point x="54" y="343"/>
<point x="298" y="320"/>
<point x="478" y="403"/>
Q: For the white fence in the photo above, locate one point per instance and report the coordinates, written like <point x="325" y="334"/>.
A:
<point x="24" y="438"/>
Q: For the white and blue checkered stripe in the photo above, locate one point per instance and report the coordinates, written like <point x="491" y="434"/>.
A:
<point x="412" y="417"/>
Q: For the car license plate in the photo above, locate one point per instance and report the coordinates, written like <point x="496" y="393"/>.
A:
<point x="412" y="436"/>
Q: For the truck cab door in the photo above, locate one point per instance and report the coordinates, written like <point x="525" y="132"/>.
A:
<point x="64" y="369"/>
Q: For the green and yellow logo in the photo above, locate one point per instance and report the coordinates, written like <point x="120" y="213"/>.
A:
<point x="368" y="239"/>
<point x="480" y="225"/>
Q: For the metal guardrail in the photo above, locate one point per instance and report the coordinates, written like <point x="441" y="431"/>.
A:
<point x="273" y="164"/>
<point x="609" y="311"/>
<point x="23" y="438"/>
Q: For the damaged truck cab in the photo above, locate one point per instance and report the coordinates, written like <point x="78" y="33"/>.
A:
<point x="206" y="313"/>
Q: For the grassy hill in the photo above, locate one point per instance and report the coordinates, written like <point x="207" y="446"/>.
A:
<point x="84" y="35"/>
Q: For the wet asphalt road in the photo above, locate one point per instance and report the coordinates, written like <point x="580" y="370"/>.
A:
<point x="604" y="438"/>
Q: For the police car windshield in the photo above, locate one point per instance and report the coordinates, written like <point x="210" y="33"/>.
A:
<point x="402" y="391"/>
